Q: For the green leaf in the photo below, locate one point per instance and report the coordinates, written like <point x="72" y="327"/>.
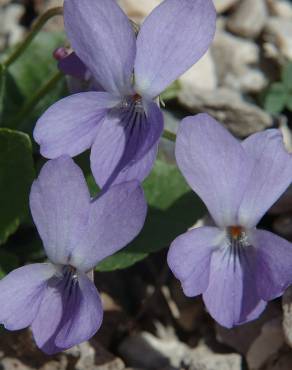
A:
<point x="10" y="96"/>
<point x="16" y="176"/>
<point x="287" y="75"/>
<point x="289" y="102"/>
<point x="171" y="92"/>
<point x="8" y="262"/>
<point x="31" y="71"/>
<point x="275" y="98"/>
<point x="173" y="208"/>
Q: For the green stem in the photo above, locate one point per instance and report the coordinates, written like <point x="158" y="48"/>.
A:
<point x="33" y="101"/>
<point x="169" y="135"/>
<point x="39" y="23"/>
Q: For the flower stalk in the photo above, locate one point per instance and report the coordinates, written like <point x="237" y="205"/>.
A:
<point x="37" y="26"/>
<point x="34" y="100"/>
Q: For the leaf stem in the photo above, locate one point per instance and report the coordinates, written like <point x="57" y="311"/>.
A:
<point x="33" y="101"/>
<point x="169" y="135"/>
<point x="38" y="24"/>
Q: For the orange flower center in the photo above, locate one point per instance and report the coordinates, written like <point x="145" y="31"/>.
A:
<point x="236" y="231"/>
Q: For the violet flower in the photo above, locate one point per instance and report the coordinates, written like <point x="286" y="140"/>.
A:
<point x="123" y="124"/>
<point x="58" y="299"/>
<point x="236" y="267"/>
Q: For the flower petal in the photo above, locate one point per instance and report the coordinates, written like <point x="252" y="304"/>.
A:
<point x="214" y="164"/>
<point x="189" y="258"/>
<point x="270" y="177"/>
<point x="232" y="297"/>
<point x="116" y="218"/>
<point x="123" y="141"/>
<point x="70" y="125"/>
<point x="21" y="293"/>
<point x="59" y="202"/>
<point x="274" y="258"/>
<point x="103" y="38"/>
<point x="172" y="38"/>
<point x="71" y="312"/>
<point x="73" y="66"/>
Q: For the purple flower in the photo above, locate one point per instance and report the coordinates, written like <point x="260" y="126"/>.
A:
<point x="123" y="123"/>
<point x="236" y="267"/>
<point x="58" y="299"/>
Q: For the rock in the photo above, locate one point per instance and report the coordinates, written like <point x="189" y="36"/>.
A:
<point x="203" y="358"/>
<point x="266" y="344"/>
<point x="283" y="204"/>
<point x="13" y="364"/>
<point x="280" y="361"/>
<point x="282" y="225"/>
<point x="11" y="31"/>
<point x="242" y="337"/>
<point x="280" y="8"/>
<point x="202" y="75"/>
<point x="160" y="353"/>
<point x="227" y="106"/>
<point x="249" y="18"/>
<point x="138" y="10"/>
<point x="92" y="356"/>
<point x="287" y="315"/>
<point x="278" y="31"/>
<point x="224" y="5"/>
<point x="237" y="70"/>
<point x="170" y="353"/>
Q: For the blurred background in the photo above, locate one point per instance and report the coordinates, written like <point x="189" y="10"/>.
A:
<point x="245" y="82"/>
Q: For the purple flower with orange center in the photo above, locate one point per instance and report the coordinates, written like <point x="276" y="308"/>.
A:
<point x="123" y="123"/>
<point x="235" y="266"/>
<point x="58" y="299"/>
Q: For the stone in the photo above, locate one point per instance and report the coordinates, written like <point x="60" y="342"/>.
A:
<point x="160" y="353"/>
<point x="287" y="315"/>
<point x="278" y="32"/>
<point x="280" y="361"/>
<point x="224" y="5"/>
<point x="13" y="364"/>
<point x="170" y="353"/>
<point x="11" y="32"/>
<point x="280" y="8"/>
<point x="138" y="10"/>
<point x="202" y="75"/>
<point x="93" y="356"/>
<point x="242" y="118"/>
<point x="268" y="343"/>
<point x="249" y="18"/>
<point x="238" y="70"/>
<point x="202" y="358"/>
<point x="242" y="337"/>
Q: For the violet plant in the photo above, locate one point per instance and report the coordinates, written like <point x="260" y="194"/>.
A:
<point x="58" y="299"/>
<point x="123" y="124"/>
<point x="236" y="267"/>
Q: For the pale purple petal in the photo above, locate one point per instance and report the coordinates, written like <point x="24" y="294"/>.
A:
<point x="59" y="203"/>
<point x="270" y="177"/>
<point x="232" y="297"/>
<point x="116" y="218"/>
<point x="73" y="66"/>
<point x="70" y="125"/>
<point x="122" y="140"/>
<point x="172" y="38"/>
<point x="274" y="261"/>
<point x="49" y="316"/>
<point x="103" y="38"/>
<point x="214" y="164"/>
<point x="71" y="312"/>
<point x="21" y="293"/>
<point x="189" y="258"/>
